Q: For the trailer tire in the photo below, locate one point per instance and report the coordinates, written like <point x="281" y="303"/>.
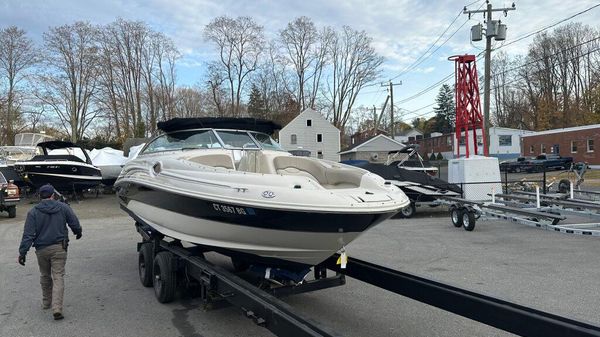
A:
<point x="12" y="211"/>
<point x="164" y="281"/>
<point x="409" y="211"/>
<point x="145" y="263"/>
<point x="455" y="216"/>
<point x="468" y="220"/>
<point x="564" y="185"/>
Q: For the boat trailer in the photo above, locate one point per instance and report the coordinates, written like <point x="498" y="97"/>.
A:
<point x="544" y="211"/>
<point x="168" y="266"/>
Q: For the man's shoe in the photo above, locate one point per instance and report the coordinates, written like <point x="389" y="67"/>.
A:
<point x="45" y="306"/>
<point x="58" y="315"/>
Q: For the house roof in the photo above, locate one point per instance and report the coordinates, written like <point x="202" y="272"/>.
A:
<point x="356" y="147"/>
<point x="571" y="129"/>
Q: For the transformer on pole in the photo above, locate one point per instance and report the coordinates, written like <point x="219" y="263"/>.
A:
<point x="468" y="104"/>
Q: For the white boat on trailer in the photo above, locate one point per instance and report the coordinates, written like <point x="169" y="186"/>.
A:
<point x="223" y="183"/>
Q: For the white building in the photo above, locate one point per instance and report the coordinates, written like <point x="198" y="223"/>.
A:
<point x="374" y="149"/>
<point x="311" y="131"/>
<point x="505" y="143"/>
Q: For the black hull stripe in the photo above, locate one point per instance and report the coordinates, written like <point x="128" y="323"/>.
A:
<point x="286" y="220"/>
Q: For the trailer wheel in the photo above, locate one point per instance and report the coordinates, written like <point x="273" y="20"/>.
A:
<point x="564" y="185"/>
<point x="468" y="220"/>
<point x="455" y="216"/>
<point x="145" y="265"/>
<point x="12" y="211"/>
<point x="409" y="211"/>
<point x="164" y="277"/>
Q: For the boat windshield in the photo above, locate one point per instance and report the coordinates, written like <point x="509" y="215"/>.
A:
<point x="181" y="140"/>
<point x="237" y="139"/>
<point x="266" y="142"/>
<point x="211" y="139"/>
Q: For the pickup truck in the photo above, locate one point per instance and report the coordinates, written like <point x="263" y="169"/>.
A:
<point x="9" y="197"/>
<point x="549" y="161"/>
<point x="519" y="165"/>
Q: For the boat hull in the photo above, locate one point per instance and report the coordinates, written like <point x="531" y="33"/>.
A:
<point x="276" y="236"/>
<point x="63" y="176"/>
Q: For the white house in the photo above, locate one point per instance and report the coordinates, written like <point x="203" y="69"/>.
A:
<point x="311" y="131"/>
<point x="505" y="143"/>
<point x="374" y="149"/>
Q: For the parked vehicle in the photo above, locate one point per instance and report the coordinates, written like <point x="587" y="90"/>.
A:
<point x="549" y="161"/>
<point x="9" y="197"/>
<point x="521" y="164"/>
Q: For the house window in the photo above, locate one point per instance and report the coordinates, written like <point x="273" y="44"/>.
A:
<point x="309" y="122"/>
<point x="320" y="154"/>
<point x="542" y="148"/>
<point x="479" y="141"/>
<point x="531" y="150"/>
<point x="411" y="139"/>
<point x="319" y="138"/>
<point x="462" y="140"/>
<point x="293" y="139"/>
<point x="449" y="141"/>
<point x="590" y="145"/>
<point x="505" y="140"/>
<point x="573" y="146"/>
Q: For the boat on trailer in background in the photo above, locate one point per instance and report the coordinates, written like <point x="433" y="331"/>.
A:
<point x="64" y="165"/>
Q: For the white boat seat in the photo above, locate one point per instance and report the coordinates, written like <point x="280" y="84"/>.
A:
<point x="257" y="162"/>
<point x="214" y="160"/>
<point x="329" y="177"/>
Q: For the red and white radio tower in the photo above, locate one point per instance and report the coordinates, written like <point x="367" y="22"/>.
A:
<point x="468" y="105"/>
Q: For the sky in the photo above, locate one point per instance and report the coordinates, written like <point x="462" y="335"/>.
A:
<point x="402" y="31"/>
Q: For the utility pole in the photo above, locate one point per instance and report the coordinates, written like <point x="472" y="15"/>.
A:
<point x="494" y="29"/>
<point x="391" y="89"/>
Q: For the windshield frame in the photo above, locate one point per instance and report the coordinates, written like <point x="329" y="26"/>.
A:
<point x="222" y="143"/>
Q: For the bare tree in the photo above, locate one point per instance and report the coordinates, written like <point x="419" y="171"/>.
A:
<point x="239" y="42"/>
<point x="69" y="84"/>
<point x="17" y="55"/>
<point x="307" y="50"/>
<point x="354" y="63"/>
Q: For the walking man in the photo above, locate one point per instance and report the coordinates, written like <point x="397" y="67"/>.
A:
<point x="46" y="230"/>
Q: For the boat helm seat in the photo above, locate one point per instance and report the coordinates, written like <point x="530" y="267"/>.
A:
<point x="330" y="177"/>
<point x="214" y="160"/>
<point x="257" y="162"/>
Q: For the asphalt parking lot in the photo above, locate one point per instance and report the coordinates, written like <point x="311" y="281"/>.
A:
<point x="549" y="271"/>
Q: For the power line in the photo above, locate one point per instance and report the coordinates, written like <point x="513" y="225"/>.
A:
<point x="549" y="26"/>
<point x="422" y="58"/>
<point x="534" y="61"/>
<point x="552" y="55"/>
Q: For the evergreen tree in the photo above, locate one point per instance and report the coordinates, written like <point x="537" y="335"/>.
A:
<point x="445" y="113"/>
<point x="256" y="103"/>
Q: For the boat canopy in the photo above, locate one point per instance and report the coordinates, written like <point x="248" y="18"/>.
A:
<point x="250" y="124"/>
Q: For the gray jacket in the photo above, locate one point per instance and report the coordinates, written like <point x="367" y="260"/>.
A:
<point x="46" y="225"/>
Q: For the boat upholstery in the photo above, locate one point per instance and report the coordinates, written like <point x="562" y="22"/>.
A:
<point x="330" y="177"/>
<point x="214" y="160"/>
<point x="257" y="162"/>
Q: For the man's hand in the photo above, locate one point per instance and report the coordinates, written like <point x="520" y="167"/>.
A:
<point x="21" y="260"/>
<point x="78" y="236"/>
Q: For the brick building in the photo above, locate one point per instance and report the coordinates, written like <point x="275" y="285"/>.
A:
<point x="578" y="142"/>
